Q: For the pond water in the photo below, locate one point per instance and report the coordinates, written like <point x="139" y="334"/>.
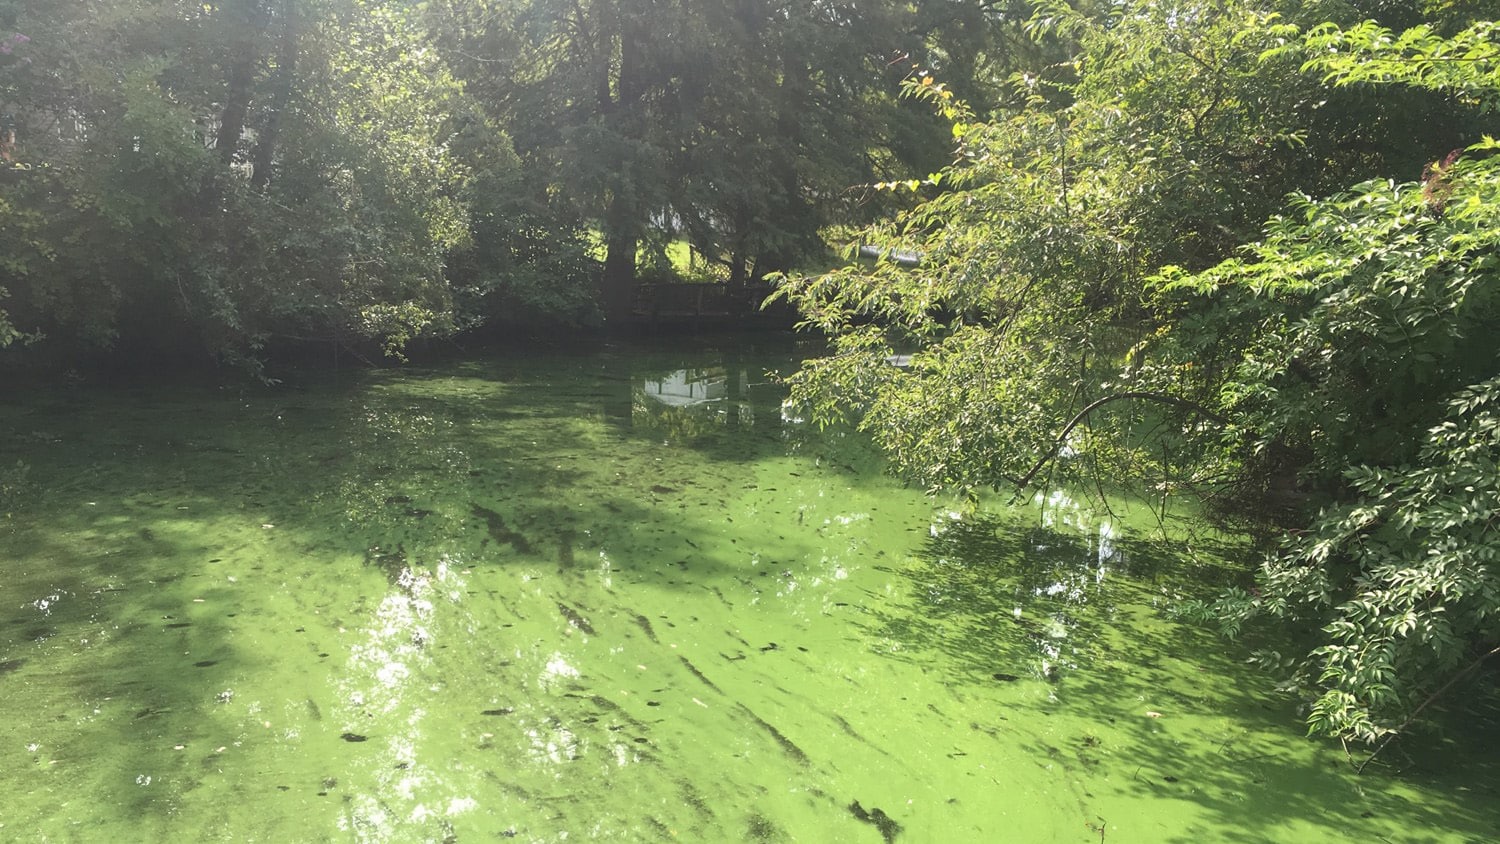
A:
<point x="617" y="595"/>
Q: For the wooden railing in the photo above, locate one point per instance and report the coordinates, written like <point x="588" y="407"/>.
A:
<point x="683" y="300"/>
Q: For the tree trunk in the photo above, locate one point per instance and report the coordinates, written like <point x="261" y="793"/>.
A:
<point x="617" y="287"/>
<point x="739" y="272"/>
<point x="241" y="79"/>
<point x="794" y="216"/>
<point x="622" y="219"/>
<point x="281" y="92"/>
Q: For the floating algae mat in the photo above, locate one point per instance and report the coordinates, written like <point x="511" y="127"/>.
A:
<point x="612" y="595"/>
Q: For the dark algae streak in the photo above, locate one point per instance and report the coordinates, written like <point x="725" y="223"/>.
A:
<point x="645" y="624"/>
<point x="693" y="669"/>
<point x="575" y="618"/>
<point x="888" y="827"/>
<point x="499" y="531"/>
<point x="782" y="741"/>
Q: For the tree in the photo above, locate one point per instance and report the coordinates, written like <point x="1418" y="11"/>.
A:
<point x="739" y="125"/>
<point x="796" y="112"/>
<point x="1165" y="141"/>
<point x="1375" y="355"/>
<point x="580" y="83"/>
<point x="1259" y="383"/>
<point x="226" y="175"/>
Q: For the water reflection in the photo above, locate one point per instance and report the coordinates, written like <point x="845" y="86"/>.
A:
<point x="688" y="387"/>
<point x="1020" y="596"/>
<point x="688" y="404"/>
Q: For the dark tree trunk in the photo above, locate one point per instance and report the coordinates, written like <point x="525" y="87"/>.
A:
<point x="793" y="214"/>
<point x="739" y="270"/>
<point x="617" y="287"/>
<point x="622" y="220"/>
<point x="242" y="60"/>
<point x="281" y="92"/>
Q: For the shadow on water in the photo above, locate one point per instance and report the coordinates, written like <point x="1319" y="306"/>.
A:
<point x="537" y="476"/>
<point x="155" y="505"/>
<point x="1153" y="717"/>
<point x="115" y="673"/>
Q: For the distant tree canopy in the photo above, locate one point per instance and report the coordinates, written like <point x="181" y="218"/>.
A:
<point x="1100" y="296"/>
<point x="229" y="176"/>
<point x="744" y="127"/>
<point x="225" y="176"/>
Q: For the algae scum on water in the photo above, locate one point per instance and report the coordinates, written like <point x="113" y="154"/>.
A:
<point x="614" y="595"/>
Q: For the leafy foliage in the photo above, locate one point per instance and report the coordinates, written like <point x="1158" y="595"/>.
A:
<point x="1134" y="155"/>
<point x="1424" y="540"/>
<point x="218" y="178"/>
<point x="739" y="126"/>
<point x="1313" y="368"/>
<point x="1378" y="308"/>
<point x="1466" y="64"/>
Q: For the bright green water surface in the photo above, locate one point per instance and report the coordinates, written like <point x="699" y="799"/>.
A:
<point x="610" y="595"/>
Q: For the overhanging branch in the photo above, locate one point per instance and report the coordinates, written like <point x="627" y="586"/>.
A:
<point x="1078" y="419"/>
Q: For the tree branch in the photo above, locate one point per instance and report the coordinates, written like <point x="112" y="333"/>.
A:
<point x="1062" y="436"/>
<point x="1418" y="711"/>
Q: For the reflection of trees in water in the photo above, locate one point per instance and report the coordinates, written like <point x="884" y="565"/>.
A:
<point x="1002" y="598"/>
<point x="685" y="405"/>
